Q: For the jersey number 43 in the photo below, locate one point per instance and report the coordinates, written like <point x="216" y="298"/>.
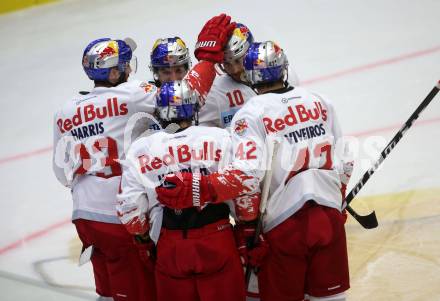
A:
<point x="99" y="158"/>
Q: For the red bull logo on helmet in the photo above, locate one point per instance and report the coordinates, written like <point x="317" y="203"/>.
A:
<point x="156" y="43"/>
<point x="181" y="43"/>
<point x="276" y="48"/>
<point x="241" y="33"/>
<point x="244" y="30"/>
<point x="111" y="49"/>
<point x="176" y="100"/>
<point x="258" y="62"/>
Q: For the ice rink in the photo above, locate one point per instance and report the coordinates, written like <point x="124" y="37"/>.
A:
<point x="377" y="60"/>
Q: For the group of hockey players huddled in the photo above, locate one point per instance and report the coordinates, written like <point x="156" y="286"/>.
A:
<point x="174" y="213"/>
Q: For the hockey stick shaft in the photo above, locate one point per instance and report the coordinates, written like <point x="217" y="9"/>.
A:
<point x="263" y="202"/>
<point x="390" y="146"/>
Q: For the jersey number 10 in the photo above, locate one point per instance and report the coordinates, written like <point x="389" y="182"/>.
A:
<point x="235" y="99"/>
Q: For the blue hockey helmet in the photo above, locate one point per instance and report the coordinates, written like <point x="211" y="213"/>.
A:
<point x="169" y="52"/>
<point x="265" y="62"/>
<point x="239" y="42"/>
<point x="101" y="55"/>
<point x="176" y="101"/>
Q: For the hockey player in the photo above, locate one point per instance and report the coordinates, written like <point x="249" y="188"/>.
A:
<point x="229" y="92"/>
<point x="89" y="141"/>
<point x="212" y="223"/>
<point x="169" y="60"/>
<point x="303" y="224"/>
<point x="88" y="135"/>
<point x="196" y="254"/>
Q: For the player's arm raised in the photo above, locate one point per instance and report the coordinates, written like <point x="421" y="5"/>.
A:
<point x="209" y="50"/>
<point x="210" y="44"/>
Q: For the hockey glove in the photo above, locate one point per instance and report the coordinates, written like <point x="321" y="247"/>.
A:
<point x="187" y="191"/>
<point x="249" y="253"/>
<point x="247" y="207"/>
<point x="200" y="79"/>
<point x="132" y="215"/>
<point x="146" y="249"/>
<point x="213" y="38"/>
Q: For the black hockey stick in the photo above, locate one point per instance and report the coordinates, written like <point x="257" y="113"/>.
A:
<point x="370" y="221"/>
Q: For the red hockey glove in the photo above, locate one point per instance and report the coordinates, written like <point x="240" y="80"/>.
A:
<point x="188" y="191"/>
<point x="214" y="188"/>
<point x="244" y="237"/>
<point x="247" y="207"/>
<point x="213" y="38"/>
<point x="200" y="79"/>
<point x="232" y="183"/>
<point x="146" y="249"/>
<point x="135" y="222"/>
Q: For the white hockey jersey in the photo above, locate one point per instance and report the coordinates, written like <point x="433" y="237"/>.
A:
<point x="149" y="159"/>
<point x="90" y="136"/>
<point x="307" y="164"/>
<point x="225" y="98"/>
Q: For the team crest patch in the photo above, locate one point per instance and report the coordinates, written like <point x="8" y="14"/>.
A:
<point x="240" y="127"/>
<point x="147" y="87"/>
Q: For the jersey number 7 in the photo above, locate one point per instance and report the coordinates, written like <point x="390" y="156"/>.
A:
<point x="322" y="159"/>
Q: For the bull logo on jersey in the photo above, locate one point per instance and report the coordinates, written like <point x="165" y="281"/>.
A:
<point x="240" y="127"/>
<point x="147" y="87"/>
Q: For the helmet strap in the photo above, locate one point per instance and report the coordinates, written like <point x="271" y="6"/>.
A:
<point x="157" y="82"/>
<point x="286" y="77"/>
<point x="196" y="118"/>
